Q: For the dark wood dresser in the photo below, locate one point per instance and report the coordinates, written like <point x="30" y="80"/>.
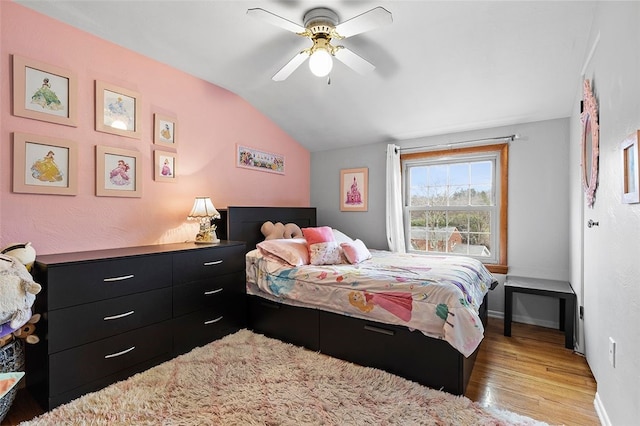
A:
<point x="108" y="314"/>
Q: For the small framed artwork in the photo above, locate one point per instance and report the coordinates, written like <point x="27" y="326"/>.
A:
<point x="44" y="92"/>
<point x="44" y="165"/>
<point x="354" y="184"/>
<point x="164" y="164"/>
<point x="255" y="159"/>
<point x="118" y="110"/>
<point x="164" y="130"/>
<point x="631" y="171"/>
<point x="118" y="172"/>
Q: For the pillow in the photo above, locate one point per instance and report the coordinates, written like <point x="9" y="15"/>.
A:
<point x="324" y="253"/>
<point x="292" y="251"/>
<point x="340" y="237"/>
<point x="356" y="251"/>
<point x="323" y="248"/>
<point x="321" y="234"/>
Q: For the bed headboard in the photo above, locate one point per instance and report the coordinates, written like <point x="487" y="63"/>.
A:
<point x="243" y="223"/>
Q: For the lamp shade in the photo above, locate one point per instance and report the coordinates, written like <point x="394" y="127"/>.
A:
<point x="320" y="63"/>
<point x="203" y="208"/>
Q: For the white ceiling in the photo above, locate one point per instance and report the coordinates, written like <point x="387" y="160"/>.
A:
<point x="441" y="66"/>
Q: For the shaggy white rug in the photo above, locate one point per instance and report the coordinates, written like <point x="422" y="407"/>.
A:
<point x="248" y="379"/>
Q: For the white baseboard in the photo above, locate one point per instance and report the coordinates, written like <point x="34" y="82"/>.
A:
<point x="495" y="314"/>
<point x="602" y="413"/>
<point x="526" y="320"/>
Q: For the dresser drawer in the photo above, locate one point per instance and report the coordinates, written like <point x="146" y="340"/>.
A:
<point x="204" y="326"/>
<point x="75" y="367"/>
<point x="203" y="264"/>
<point x="82" y="324"/>
<point x="213" y="292"/>
<point x="74" y="284"/>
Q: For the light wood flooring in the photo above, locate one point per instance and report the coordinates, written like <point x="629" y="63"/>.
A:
<point x="530" y="373"/>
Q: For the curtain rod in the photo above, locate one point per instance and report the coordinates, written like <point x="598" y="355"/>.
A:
<point x="450" y="144"/>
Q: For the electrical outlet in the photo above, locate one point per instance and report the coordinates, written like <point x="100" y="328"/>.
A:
<point x="612" y="352"/>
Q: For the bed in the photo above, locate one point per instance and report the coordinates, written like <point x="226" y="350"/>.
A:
<point x="397" y="339"/>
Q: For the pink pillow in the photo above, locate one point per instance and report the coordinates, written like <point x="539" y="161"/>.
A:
<point x="321" y="234"/>
<point x="292" y="251"/>
<point x="356" y="251"/>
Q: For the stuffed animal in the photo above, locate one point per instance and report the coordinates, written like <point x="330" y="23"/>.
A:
<point x="26" y="332"/>
<point x="24" y="252"/>
<point x="17" y="292"/>
<point x="273" y="231"/>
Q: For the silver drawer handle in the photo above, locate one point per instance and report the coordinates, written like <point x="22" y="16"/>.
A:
<point x="215" y="262"/>
<point x="124" y="277"/>
<point x="379" y="330"/>
<point x="112" y="317"/>
<point x="209" y="293"/>
<point x="212" y="321"/>
<point x="126" y="351"/>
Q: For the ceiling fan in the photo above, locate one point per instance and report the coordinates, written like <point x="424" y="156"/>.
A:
<point x="321" y="26"/>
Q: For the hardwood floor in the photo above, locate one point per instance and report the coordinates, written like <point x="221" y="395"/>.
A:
<point x="533" y="374"/>
<point x="530" y="373"/>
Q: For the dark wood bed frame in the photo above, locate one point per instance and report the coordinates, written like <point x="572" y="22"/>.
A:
<point x="431" y="362"/>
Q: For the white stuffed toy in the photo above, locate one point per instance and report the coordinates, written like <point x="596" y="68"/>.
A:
<point x="17" y="292"/>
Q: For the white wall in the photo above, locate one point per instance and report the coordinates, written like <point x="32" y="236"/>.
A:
<point x="611" y="272"/>
<point x="538" y="243"/>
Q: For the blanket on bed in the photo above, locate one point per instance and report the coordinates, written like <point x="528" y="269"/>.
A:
<point x="438" y="295"/>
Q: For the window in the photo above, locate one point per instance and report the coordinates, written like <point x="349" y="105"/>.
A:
<point x="455" y="202"/>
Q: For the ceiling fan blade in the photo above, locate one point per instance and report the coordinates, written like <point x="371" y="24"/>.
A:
<point x="276" y="20"/>
<point x="372" y="19"/>
<point x="290" y="67"/>
<point x="354" y="61"/>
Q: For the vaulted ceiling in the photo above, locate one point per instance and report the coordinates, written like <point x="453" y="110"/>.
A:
<point x="441" y="66"/>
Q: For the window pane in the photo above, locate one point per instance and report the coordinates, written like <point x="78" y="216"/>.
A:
<point x="459" y="174"/>
<point x="418" y="230"/>
<point x="459" y="195"/>
<point x="482" y="172"/>
<point x="481" y="195"/>
<point x="418" y="187"/>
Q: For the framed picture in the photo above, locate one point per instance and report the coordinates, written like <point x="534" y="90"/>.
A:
<point x="255" y="159"/>
<point x="44" y="165"/>
<point x="44" y="92"/>
<point x="164" y="130"/>
<point x="164" y="165"/>
<point x="631" y="171"/>
<point x="118" y="110"/>
<point x="118" y="172"/>
<point x="354" y="184"/>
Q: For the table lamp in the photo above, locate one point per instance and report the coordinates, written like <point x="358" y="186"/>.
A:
<point x="204" y="211"/>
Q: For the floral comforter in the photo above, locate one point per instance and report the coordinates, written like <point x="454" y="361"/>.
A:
<point x="438" y="295"/>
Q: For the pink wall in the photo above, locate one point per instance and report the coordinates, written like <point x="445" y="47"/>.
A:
<point x="211" y="122"/>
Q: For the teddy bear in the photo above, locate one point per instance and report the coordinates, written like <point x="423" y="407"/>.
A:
<point x="17" y="288"/>
<point x="278" y="230"/>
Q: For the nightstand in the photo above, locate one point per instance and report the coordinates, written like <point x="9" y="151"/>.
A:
<point x="561" y="290"/>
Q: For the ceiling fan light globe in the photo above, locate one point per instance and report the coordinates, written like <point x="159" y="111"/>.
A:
<point x="320" y="63"/>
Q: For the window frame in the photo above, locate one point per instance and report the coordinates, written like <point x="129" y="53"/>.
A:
<point x="502" y="151"/>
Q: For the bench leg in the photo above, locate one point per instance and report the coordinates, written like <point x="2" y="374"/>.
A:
<point x="569" y="320"/>
<point x="508" y="307"/>
<point x="562" y="314"/>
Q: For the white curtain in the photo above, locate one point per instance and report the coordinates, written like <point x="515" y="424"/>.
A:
<point x="395" y="226"/>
